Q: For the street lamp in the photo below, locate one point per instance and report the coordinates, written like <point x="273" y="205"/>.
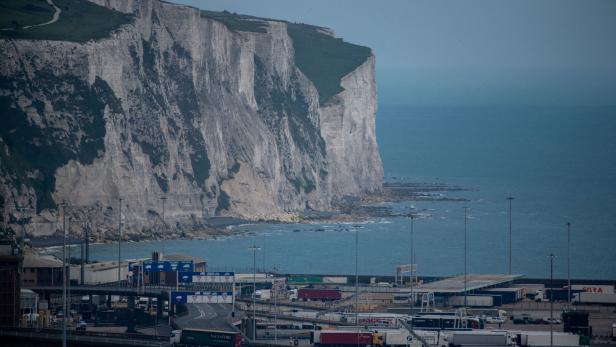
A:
<point x="275" y="270"/>
<point x="569" y="262"/>
<point x="119" y="240"/>
<point x="465" y="252"/>
<point x="64" y="273"/>
<point x="412" y="262"/>
<point x="357" y="282"/>
<point x="254" y="250"/>
<point x="164" y="199"/>
<point x="510" y="198"/>
<point x="551" y="299"/>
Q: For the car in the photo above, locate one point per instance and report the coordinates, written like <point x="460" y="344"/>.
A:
<point x="523" y="318"/>
<point x="81" y="326"/>
<point x="495" y="320"/>
<point x="548" y="320"/>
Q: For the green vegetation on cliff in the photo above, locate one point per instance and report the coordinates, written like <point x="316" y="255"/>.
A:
<point x="324" y="59"/>
<point x="79" y="21"/>
<point x="237" y="22"/>
<point x="30" y="154"/>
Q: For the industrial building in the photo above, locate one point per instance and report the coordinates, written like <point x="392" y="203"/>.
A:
<point x="99" y="273"/>
<point x="41" y="271"/>
<point x="167" y="278"/>
<point x="10" y="281"/>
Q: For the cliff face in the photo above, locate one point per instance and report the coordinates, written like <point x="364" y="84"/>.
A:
<point x="214" y="112"/>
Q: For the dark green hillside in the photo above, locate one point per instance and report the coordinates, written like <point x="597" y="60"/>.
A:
<point x="80" y="21"/>
<point x="325" y="59"/>
<point x="20" y="13"/>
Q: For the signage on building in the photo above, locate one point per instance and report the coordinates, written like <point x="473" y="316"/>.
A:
<point x="206" y="277"/>
<point x="162" y="266"/>
<point x="188" y="297"/>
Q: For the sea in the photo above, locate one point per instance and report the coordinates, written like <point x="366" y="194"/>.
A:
<point x="559" y="164"/>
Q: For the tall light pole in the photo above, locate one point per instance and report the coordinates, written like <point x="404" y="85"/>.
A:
<point x="275" y="270"/>
<point x="254" y="250"/>
<point x="119" y="240"/>
<point x="551" y="299"/>
<point x="357" y="282"/>
<point x="465" y="252"/>
<point x="510" y="198"/>
<point x="412" y="262"/>
<point x="64" y="274"/>
<point x="164" y="199"/>
<point x="569" y="262"/>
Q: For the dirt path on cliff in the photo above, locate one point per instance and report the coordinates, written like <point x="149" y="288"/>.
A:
<point x="54" y="19"/>
<point x="56" y="16"/>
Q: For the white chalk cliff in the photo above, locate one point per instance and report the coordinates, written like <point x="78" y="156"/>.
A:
<point x="177" y="103"/>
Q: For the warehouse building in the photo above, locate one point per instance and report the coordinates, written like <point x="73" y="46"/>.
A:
<point x="10" y="280"/>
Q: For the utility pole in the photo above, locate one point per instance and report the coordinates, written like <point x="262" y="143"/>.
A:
<point x="357" y="282"/>
<point x="412" y="264"/>
<point x="64" y="274"/>
<point x="465" y="252"/>
<point x="67" y="313"/>
<point x="254" y="250"/>
<point x="119" y="240"/>
<point x="551" y="299"/>
<point x="510" y="198"/>
<point x="164" y="199"/>
<point x="569" y="263"/>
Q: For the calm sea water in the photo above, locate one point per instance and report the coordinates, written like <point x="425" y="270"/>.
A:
<point x="559" y="164"/>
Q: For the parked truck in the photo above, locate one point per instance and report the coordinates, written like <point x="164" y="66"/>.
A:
<point x="198" y="337"/>
<point x="542" y="338"/>
<point x="319" y="294"/>
<point x="594" y="298"/>
<point x="341" y="338"/>
<point x="478" y="338"/>
<point x="472" y="301"/>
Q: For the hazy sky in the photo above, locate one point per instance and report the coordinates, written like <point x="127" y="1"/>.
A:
<point x="478" y="35"/>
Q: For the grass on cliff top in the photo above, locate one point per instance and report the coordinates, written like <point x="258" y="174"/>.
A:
<point x="80" y="21"/>
<point x="237" y="22"/>
<point x="20" y="12"/>
<point x="324" y="59"/>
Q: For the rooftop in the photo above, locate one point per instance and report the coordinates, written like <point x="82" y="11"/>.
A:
<point x="456" y="284"/>
<point x="183" y="257"/>
<point x="39" y="261"/>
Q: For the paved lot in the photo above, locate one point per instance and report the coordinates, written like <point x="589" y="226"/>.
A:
<point x="206" y="316"/>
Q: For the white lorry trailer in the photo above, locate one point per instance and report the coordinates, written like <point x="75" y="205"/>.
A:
<point x="542" y="338"/>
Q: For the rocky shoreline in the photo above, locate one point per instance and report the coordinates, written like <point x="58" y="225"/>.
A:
<point x="348" y="210"/>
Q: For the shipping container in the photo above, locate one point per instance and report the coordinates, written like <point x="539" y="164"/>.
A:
<point x="331" y="338"/>
<point x="198" y="337"/>
<point x="594" y="288"/>
<point x="509" y="295"/>
<point x="478" y="338"/>
<point x="540" y="338"/>
<point x="506" y="297"/>
<point x="304" y="279"/>
<point x="319" y="294"/>
<point x="335" y="280"/>
<point x="594" y="298"/>
<point x="472" y="301"/>
<point x="397" y="337"/>
<point x="559" y="294"/>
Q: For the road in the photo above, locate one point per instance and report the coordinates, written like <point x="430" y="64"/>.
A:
<point x="206" y="316"/>
<point x="56" y="16"/>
